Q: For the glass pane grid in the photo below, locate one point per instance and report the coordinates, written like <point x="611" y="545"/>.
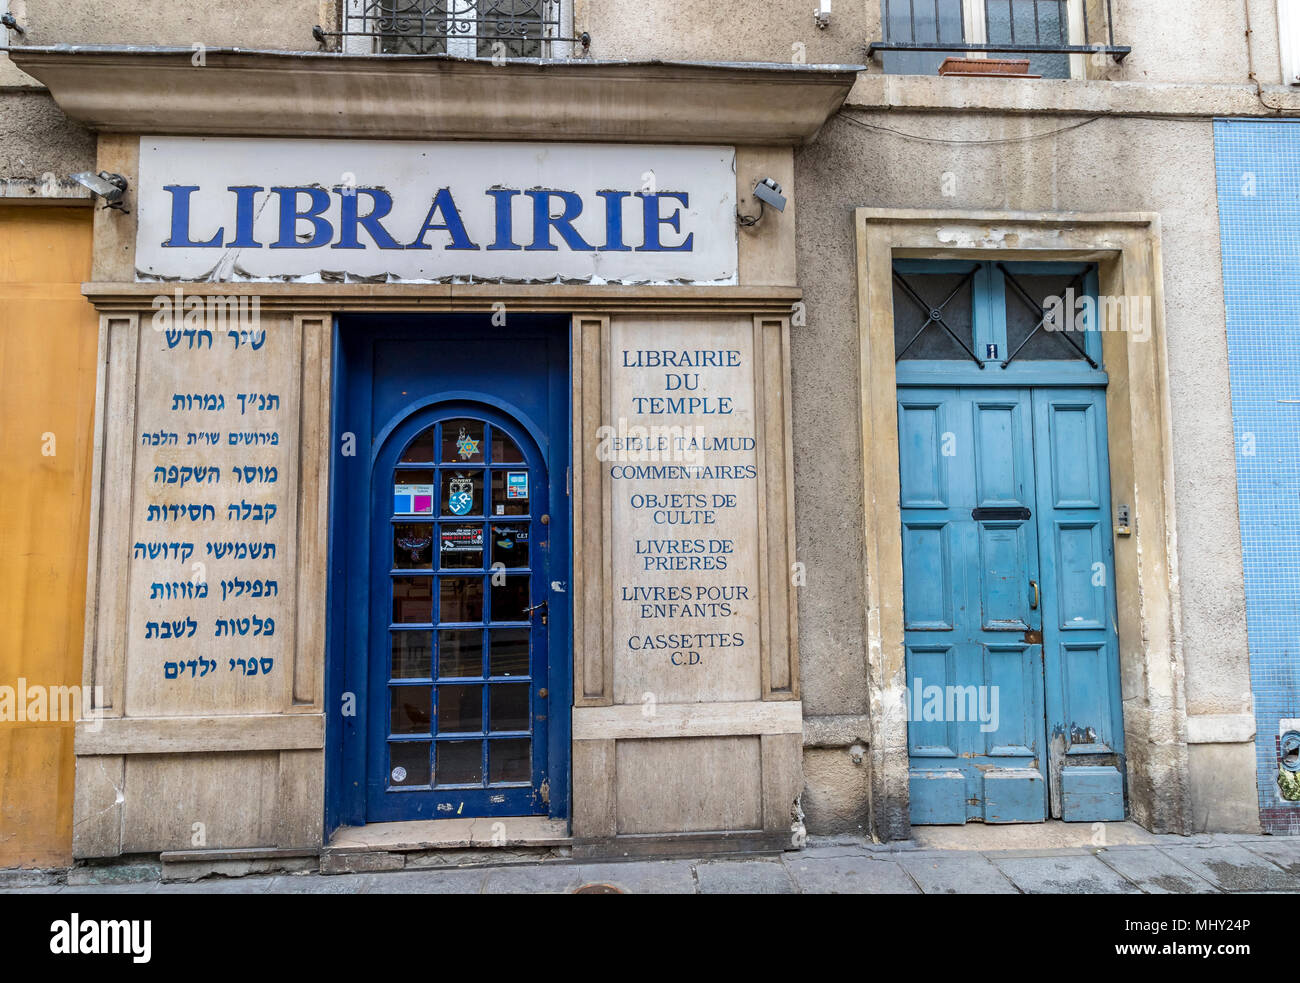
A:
<point x="461" y="684"/>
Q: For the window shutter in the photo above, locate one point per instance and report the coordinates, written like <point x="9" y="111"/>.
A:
<point x="1288" y="29"/>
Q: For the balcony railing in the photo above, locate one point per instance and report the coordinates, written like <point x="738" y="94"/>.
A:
<point x="467" y="28"/>
<point x="1046" y="30"/>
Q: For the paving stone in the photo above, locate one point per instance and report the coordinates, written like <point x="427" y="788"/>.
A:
<point x="19" y="878"/>
<point x="144" y="887"/>
<point x="849" y="875"/>
<point x="318" y="884"/>
<point x="842" y="850"/>
<point x="1069" y="874"/>
<point x="641" y="877"/>
<point x="956" y="873"/>
<point x="463" y="881"/>
<point x="1231" y="867"/>
<point x="187" y="872"/>
<point x="219" y="885"/>
<point x="743" y="877"/>
<point x="1154" y="872"/>
<point x="1072" y="851"/>
<point x="353" y="862"/>
<point x="1284" y="851"/>
<point x="114" y="874"/>
<point x="831" y="865"/>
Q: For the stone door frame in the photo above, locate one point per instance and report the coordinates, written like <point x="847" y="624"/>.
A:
<point x="1127" y="250"/>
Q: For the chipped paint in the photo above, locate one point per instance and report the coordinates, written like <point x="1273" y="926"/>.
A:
<point x="966" y="237"/>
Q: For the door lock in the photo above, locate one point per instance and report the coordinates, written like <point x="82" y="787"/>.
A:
<point x="1033" y="605"/>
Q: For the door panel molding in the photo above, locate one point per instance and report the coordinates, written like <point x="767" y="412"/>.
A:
<point x="1082" y="695"/>
<point x="983" y="581"/>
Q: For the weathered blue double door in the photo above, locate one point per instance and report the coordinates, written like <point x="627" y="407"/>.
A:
<point x="1009" y="609"/>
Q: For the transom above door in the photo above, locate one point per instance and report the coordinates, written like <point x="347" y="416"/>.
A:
<point x="996" y="323"/>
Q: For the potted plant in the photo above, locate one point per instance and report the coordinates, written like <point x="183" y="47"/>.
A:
<point x="988" y="67"/>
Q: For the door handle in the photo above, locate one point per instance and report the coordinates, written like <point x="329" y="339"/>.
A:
<point x="536" y="607"/>
<point x="1033" y="605"/>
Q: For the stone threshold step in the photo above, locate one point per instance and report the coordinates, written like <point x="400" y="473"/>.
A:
<point x="449" y="834"/>
<point x="243" y="853"/>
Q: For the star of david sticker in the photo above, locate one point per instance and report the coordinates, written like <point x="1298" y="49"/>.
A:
<point x="467" y="446"/>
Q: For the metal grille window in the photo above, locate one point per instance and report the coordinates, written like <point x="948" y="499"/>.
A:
<point x="463" y="28"/>
<point x="983" y="315"/>
<point x="934" y="315"/>
<point x="1055" y="34"/>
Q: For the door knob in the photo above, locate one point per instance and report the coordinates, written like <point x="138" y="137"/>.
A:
<point x="1033" y="605"/>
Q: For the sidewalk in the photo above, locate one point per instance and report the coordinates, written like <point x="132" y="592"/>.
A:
<point x="1052" y="860"/>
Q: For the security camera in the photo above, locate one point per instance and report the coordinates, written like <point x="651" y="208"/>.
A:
<point x="769" y="192"/>
<point x="7" y="19"/>
<point x="111" y="187"/>
<point x="822" y="15"/>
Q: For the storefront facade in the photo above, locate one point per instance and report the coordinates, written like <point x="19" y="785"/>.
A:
<point x="478" y="460"/>
<point x="355" y="561"/>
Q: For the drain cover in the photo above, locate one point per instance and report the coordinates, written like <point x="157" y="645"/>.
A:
<point x="599" y="889"/>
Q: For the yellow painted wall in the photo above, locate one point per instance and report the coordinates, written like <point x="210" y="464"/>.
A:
<point x="48" y="341"/>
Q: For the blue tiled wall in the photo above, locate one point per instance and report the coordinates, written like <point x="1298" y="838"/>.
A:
<point x="1259" y="216"/>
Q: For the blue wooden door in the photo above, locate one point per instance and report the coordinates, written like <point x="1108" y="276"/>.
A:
<point x="1085" y="727"/>
<point x="1011" y="646"/>
<point x="460" y="573"/>
<point x="449" y="626"/>
<point x="972" y="618"/>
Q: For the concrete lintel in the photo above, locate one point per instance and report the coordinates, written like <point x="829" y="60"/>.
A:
<point x="277" y="93"/>
<point x="1039" y="97"/>
<point x="35" y="189"/>
<point x="458" y="297"/>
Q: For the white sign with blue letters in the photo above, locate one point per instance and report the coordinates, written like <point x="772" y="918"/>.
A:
<point x="224" y="208"/>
